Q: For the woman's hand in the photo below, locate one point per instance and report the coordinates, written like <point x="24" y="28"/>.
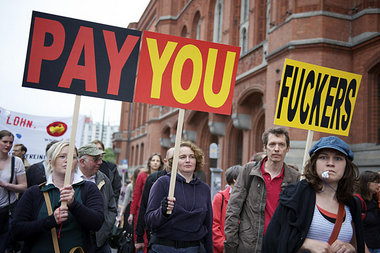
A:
<point x="171" y="203"/>
<point x="3" y="184"/>
<point x="139" y="246"/>
<point x="130" y="219"/>
<point x="67" y="194"/>
<point x="315" y="246"/>
<point x="61" y="214"/>
<point x="342" y="247"/>
<point x="167" y="204"/>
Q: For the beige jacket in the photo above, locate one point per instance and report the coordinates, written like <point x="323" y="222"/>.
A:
<point x="245" y="218"/>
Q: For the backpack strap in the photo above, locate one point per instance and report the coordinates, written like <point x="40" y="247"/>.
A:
<point x="12" y="169"/>
<point x="11" y="179"/>
<point x="221" y="206"/>
<point x="363" y="205"/>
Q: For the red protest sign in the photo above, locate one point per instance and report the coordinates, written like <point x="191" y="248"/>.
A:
<point x="81" y="57"/>
<point x="186" y="73"/>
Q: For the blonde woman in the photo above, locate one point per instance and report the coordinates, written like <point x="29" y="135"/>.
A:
<point x="73" y="223"/>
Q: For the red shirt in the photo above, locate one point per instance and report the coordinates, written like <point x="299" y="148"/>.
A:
<point x="273" y="186"/>
<point x="137" y="193"/>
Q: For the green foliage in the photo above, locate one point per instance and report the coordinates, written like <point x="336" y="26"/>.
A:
<point x="109" y="156"/>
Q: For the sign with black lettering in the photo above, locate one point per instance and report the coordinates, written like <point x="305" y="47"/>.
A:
<point x="80" y="57"/>
<point x="316" y="98"/>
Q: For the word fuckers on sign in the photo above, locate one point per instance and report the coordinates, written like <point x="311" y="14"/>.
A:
<point x="80" y="57"/>
<point x="186" y="73"/>
<point x="316" y="98"/>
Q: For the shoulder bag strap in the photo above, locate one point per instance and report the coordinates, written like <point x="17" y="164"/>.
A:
<point x="221" y="206"/>
<point x="338" y="224"/>
<point x="53" y="230"/>
<point x="11" y="179"/>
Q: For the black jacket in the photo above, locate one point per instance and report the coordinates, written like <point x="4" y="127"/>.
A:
<point x="111" y="171"/>
<point x="140" y="226"/>
<point x="291" y="221"/>
<point x="35" y="174"/>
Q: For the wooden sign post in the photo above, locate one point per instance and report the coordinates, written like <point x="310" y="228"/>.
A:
<point x="72" y="143"/>
<point x="177" y="144"/>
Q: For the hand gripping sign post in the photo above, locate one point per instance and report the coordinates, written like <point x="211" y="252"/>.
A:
<point x="83" y="58"/>
<point x="187" y="74"/>
<point x="317" y="99"/>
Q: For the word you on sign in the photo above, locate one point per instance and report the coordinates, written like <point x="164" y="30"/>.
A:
<point x="186" y="73"/>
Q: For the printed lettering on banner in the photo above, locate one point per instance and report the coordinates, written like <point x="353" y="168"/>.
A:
<point x="316" y="98"/>
<point x="186" y="73"/>
<point x="80" y="57"/>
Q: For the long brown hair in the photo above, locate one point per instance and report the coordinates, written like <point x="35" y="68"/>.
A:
<point x="345" y="185"/>
<point x="150" y="159"/>
<point x="362" y="188"/>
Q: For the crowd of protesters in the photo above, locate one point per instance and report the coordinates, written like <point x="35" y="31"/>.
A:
<point x="266" y="206"/>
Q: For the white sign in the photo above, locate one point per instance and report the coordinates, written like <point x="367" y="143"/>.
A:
<point x="35" y="132"/>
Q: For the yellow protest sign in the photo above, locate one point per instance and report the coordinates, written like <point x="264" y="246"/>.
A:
<point x="316" y="98"/>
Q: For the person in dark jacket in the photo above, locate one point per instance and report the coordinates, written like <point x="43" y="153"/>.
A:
<point x="141" y="228"/>
<point x="189" y="226"/>
<point x="308" y="211"/>
<point x="111" y="171"/>
<point x="369" y="185"/>
<point x="36" y="175"/>
<point x="72" y="223"/>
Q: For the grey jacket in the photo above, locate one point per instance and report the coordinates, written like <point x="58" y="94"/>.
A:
<point x="110" y="210"/>
<point x="245" y="217"/>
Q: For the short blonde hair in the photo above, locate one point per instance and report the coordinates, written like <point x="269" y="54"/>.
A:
<point x="53" y="153"/>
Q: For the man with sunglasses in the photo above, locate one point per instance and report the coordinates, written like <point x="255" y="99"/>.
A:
<point x="90" y="159"/>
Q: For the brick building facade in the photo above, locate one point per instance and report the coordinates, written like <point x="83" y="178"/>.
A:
<point x="339" y="34"/>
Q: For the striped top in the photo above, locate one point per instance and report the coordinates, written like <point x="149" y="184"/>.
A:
<point x="321" y="228"/>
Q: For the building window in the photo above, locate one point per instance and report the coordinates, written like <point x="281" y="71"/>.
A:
<point x="243" y="36"/>
<point x="184" y="32"/>
<point x="243" y="40"/>
<point x="244" y="11"/>
<point x="196" y="26"/>
<point x="218" y="18"/>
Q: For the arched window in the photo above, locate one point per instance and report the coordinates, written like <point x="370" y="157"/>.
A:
<point x="137" y="152"/>
<point x="196" y="27"/>
<point x="218" y="18"/>
<point x="243" y="41"/>
<point x="142" y="153"/>
<point x="184" y="32"/>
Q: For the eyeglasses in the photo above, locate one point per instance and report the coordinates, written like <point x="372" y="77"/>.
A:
<point x="96" y="159"/>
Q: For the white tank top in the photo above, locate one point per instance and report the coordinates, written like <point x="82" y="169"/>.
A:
<point x="321" y="228"/>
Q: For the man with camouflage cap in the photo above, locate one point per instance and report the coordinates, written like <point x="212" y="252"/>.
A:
<point x="90" y="158"/>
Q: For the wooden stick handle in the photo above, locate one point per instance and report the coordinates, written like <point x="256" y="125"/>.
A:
<point x="72" y="143"/>
<point x="309" y="141"/>
<point x="176" y="154"/>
